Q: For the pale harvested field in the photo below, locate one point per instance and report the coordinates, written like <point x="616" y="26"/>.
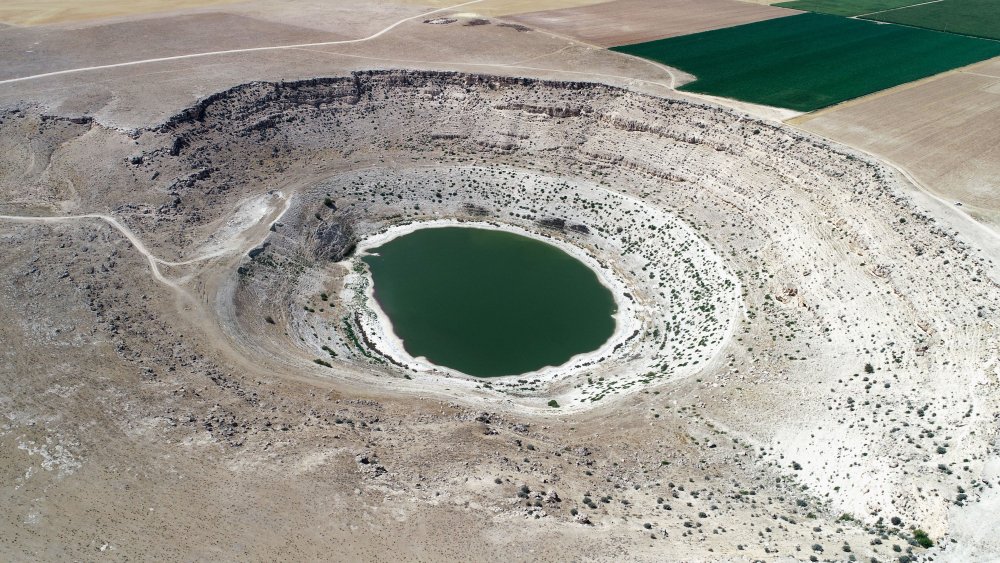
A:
<point x="633" y="21"/>
<point x="507" y="7"/>
<point x="39" y="12"/>
<point x="942" y="130"/>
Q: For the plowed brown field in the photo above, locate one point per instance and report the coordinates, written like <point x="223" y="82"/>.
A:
<point x="942" y="130"/>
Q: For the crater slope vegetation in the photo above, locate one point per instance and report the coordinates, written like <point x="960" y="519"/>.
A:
<point x="804" y="361"/>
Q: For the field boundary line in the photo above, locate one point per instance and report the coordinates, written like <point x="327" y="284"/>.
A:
<point x="911" y="26"/>
<point x="899" y="8"/>
<point x="235" y="51"/>
<point x="864" y="17"/>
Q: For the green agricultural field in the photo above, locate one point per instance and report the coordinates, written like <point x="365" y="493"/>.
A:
<point x="979" y="18"/>
<point x="846" y="7"/>
<point x="810" y="61"/>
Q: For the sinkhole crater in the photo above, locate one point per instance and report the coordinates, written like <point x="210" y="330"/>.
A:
<point x="487" y="302"/>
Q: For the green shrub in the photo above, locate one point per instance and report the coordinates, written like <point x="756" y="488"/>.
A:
<point x="922" y="539"/>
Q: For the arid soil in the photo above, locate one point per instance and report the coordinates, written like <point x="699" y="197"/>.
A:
<point x="124" y="41"/>
<point x="185" y="416"/>
<point x="812" y="372"/>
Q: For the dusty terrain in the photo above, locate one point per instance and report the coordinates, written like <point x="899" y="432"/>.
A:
<point x="179" y="238"/>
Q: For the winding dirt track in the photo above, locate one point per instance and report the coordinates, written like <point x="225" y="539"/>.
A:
<point x="154" y="262"/>
<point x="234" y="51"/>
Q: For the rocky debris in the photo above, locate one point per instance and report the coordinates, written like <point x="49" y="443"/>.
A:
<point x="333" y="240"/>
<point x="550" y="111"/>
<point x="365" y="403"/>
<point x="178" y="144"/>
<point x="257" y="251"/>
<point x="534" y="512"/>
<point x="786" y="294"/>
<point x="227" y="427"/>
<point x="515" y="26"/>
<point x="475" y="210"/>
<point x="369" y="465"/>
<point x="553" y="223"/>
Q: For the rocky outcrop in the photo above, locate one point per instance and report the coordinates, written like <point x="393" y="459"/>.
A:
<point x="333" y="240"/>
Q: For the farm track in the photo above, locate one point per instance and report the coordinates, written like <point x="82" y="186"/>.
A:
<point x="375" y="35"/>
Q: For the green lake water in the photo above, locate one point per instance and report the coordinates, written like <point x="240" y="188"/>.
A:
<point x="489" y="303"/>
